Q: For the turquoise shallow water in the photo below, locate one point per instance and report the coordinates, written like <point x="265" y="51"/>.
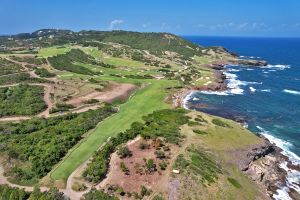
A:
<point x="267" y="98"/>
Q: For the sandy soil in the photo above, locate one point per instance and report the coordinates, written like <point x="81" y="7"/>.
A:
<point x="137" y="178"/>
<point x="115" y="91"/>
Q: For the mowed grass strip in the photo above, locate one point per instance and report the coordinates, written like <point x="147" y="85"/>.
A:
<point x="142" y="103"/>
<point x="53" y="51"/>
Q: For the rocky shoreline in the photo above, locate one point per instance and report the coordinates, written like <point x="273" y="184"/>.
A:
<point x="262" y="163"/>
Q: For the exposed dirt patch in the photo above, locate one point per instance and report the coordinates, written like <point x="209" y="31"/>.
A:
<point x="114" y="91"/>
<point x="137" y="171"/>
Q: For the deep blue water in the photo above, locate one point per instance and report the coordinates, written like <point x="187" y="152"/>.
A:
<point x="267" y="98"/>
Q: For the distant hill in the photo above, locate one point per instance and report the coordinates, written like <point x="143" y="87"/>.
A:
<point x="155" y="43"/>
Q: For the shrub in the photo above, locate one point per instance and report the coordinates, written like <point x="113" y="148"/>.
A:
<point x="150" y="165"/>
<point x="163" y="165"/>
<point x="124" y="168"/>
<point x="124" y="152"/>
<point x="144" y="145"/>
<point x="200" y="119"/>
<point x="94" y="194"/>
<point x="41" y="143"/>
<point x="61" y="107"/>
<point x="44" y="73"/>
<point x="160" y="154"/>
<point x="22" y="100"/>
<point x="91" y="101"/>
<point x="78" y="187"/>
<point x="219" y="122"/>
<point x="144" y="191"/>
<point x="158" y="197"/>
<point x="66" y="62"/>
<point x="180" y="162"/>
<point x="200" y="132"/>
<point x="234" y="182"/>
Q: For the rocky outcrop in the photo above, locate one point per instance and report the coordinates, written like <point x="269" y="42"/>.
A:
<point x="253" y="63"/>
<point x="257" y="152"/>
<point x="262" y="165"/>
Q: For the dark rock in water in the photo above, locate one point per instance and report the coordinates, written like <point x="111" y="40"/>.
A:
<point x="294" y="194"/>
<point x="255" y="63"/>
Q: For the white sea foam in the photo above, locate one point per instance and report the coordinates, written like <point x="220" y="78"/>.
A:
<point x="293" y="176"/>
<point x="291" y="91"/>
<point x="233" y="70"/>
<point x="249" y="69"/>
<point x="266" y="90"/>
<point x="278" y="67"/>
<point x="195" y="99"/>
<point x="186" y="99"/>
<point x="223" y="93"/>
<point x="252" y="89"/>
<point x="234" y="83"/>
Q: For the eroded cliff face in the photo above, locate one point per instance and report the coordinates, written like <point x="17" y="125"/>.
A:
<point x="263" y="164"/>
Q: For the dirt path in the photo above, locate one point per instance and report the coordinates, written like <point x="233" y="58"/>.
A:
<point x="3" y="180"/>
<point x="47" y="98"/>
<point x="73" y="195"/>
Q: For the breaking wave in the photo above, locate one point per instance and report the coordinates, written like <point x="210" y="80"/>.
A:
<point x="291" y="91"/>
<point x="278" y="67"/>
<point x="293" y="176"/>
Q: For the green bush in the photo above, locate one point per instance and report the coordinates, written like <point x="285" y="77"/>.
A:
<point x="22" y="100"/>
<point x="200" y="132"/>
<point x="78" y="187"/>
<point x="42" y="72"/>
<point x="144" y="145"/>
<point x="91" y="101"/>
<point x="61" y="107"/>
<point x="124" y="168"/>
<point x="68" y="62"/>
<point x="8" y="67"/>
<point x="219" y="122"/>
<point x="94" y="194"/>
<point x="43" y="142"/>
<point x="234" y="182"/>
<point x="158" y="197"/>
<point x="20" y="78"/>
<point x="124" y="152"/>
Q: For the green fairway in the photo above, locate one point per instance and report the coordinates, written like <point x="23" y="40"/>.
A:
<point x="123" y="62"/>
<point x="53" y="51"/>
<point x="142" y="103"/>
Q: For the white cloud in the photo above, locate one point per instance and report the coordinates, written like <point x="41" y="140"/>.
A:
<point x="242" y="26"/>
<point x="163" y="25"/>
<point x="115" y="23"/>
<point x="146" y="25"/>
<point x="230" y="26"/>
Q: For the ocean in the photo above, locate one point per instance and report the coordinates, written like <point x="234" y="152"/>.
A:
<point x="266" y="98"/>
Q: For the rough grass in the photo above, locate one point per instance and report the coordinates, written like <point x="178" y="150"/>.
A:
<point x="220" y="142"/>
<point x="142" y="103"/>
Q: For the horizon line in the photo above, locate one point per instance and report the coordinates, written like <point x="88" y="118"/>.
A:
<point x="181" y="35"/>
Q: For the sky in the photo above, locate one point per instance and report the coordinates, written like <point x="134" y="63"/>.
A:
<point x="251" y="18"/>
